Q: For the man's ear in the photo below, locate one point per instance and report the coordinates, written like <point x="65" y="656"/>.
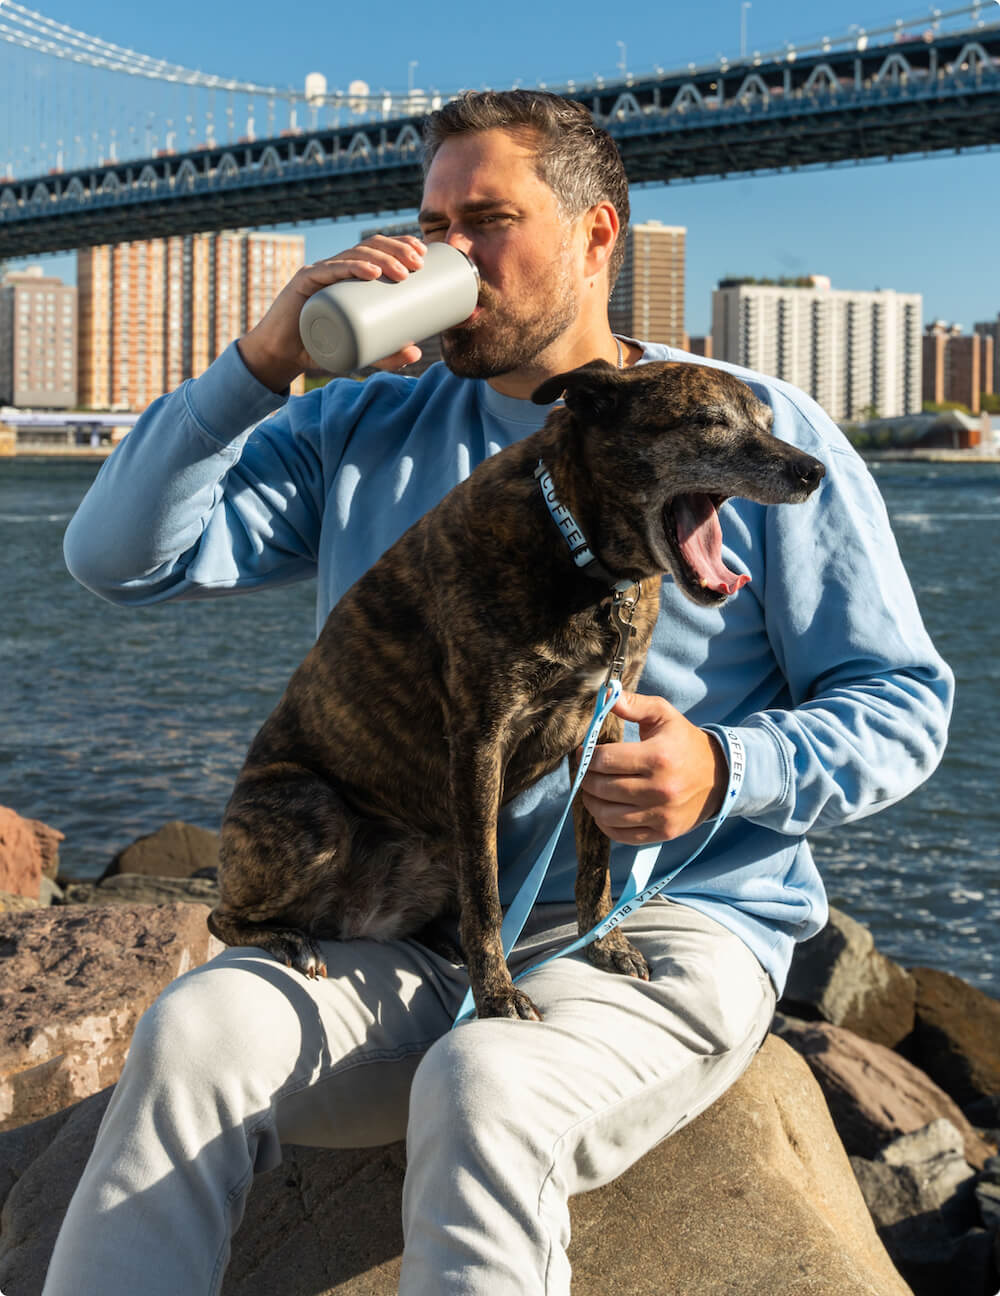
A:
<point x="603" y="229"/>
<point x="593" y="388"/>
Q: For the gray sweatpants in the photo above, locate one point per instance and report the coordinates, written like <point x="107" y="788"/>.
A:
<point x="504" y="1120"/>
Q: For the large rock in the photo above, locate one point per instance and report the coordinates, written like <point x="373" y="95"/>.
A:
<point x="176" y="850"/>
<point x="756" y="1196"/>
<point x="840" y="977"/>
<point x="73" y="983"/>
<point x="29" y="851"/>
<point x="920" y="1192"/>
<point x="874" y="1095"/>
<point x="956" y="1038"/>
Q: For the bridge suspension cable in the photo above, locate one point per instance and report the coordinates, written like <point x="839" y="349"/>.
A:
<point x="34" y="31"/>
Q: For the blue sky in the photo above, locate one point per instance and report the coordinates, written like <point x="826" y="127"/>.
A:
<point x="925" y="226"/>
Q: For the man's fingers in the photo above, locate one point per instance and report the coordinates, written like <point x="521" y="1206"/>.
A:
<point x="618" y="787"/>
<point x="615" y="814"/>
<point x="400" y="359"/>
<point x="377" y="256"/>
<point x="619" y="760"/>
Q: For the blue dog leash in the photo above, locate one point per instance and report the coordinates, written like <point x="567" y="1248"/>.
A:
<point x="638" y="889"/>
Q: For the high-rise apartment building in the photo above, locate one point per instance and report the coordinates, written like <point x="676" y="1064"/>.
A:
<point x="155" y="312"/>
<point x="648" y="297"/>
<point x="856" y="353"/>
<point x="37" y="341"/>
<point x="957" y="366"/>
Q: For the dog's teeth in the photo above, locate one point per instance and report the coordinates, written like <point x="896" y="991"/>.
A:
<point x="703" y="582"/>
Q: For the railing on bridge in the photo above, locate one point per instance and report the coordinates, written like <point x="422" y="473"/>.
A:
<point x="925" y="94"/>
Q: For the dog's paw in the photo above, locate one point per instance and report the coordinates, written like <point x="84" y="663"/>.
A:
<point x="618" y="956"/>
<point x="296" y="950"/>
<point x="511" y="1003"/>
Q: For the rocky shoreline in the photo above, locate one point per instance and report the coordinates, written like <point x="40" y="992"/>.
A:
<point x="857" y="1155"/>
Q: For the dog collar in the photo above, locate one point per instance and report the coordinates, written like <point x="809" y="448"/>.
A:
<point x="580" y="550"/>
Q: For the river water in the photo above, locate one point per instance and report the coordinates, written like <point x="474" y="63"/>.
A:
<point x="115" y="721"/>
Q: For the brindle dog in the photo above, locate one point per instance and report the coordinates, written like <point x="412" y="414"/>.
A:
<point x="463" y="666"/>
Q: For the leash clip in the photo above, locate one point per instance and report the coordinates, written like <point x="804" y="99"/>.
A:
<point x="623" y="605"/>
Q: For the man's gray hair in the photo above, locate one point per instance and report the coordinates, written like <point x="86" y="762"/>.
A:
<point x="578" y="160"/>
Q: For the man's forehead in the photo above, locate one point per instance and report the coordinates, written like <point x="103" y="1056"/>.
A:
<point x="481" y="169"/>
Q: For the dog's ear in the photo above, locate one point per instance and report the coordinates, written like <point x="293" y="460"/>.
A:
<point x="592" y="389"/>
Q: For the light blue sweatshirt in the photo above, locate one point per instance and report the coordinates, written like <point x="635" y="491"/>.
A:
<point x="821" y="663"/>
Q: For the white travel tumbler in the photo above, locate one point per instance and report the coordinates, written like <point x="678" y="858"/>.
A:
<point x="357" y="321"/>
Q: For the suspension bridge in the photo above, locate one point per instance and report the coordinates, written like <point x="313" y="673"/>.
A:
<point x="194" y="152"/>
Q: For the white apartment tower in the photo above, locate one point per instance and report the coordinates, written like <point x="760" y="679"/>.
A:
<point x="853" y="352"/>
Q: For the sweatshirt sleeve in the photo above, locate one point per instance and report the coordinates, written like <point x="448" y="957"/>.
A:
<point x="195" y="501"/>
<point x="871" y="697"/>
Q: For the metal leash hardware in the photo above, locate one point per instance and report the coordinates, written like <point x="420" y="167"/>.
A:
<point x="623" y="605"/>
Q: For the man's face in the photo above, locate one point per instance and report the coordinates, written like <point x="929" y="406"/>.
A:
<point x="482" y="194"/>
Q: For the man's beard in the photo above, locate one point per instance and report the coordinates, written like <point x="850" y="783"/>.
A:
<point x="503" y="340"/>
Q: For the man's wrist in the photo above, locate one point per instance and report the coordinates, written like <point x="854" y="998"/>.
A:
<point x="731" y="766"/>
<point x="274" y="372"/>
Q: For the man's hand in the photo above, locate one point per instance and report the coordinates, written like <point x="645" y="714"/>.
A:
<point x="273" y="350"/>
<point x="667" y="783"/>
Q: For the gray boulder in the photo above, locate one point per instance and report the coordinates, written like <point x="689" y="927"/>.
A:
<point x="840" y="977"/>
<point x="920" y="1191"/>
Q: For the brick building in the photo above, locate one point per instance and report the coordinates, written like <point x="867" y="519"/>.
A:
<point x="155" y="312"/>
<point x="648" y="298"/>
<point x="991" y="329"/>
<point x="957" y="366"/>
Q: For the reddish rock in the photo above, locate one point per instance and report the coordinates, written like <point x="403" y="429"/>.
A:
<point x="73" y="983"/>
<point x="839" y="976"/>
<point x="176" y="850"/>
<point x="29" y="850"/>
<point x="956" y="1038"/>
<point x="874" y="1095"/>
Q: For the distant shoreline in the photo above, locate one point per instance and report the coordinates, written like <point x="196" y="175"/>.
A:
<point x="60" y="452"/>
<point x="931" y="456"/>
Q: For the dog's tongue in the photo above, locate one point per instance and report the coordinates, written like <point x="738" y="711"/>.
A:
<point x="700" y="538"/>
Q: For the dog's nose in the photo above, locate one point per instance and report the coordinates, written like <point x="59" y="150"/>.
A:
<point x="810" y="473"/>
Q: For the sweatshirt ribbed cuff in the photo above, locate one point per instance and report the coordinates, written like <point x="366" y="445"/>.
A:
<point x="764" y="779"/>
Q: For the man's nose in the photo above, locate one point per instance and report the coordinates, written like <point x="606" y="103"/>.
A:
<point x="461" y="241"/>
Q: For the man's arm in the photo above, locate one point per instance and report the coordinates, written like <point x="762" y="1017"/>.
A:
<point x="195" y="501"/>
<point x="870" y="696"/>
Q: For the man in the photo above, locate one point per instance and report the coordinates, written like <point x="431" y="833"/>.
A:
<point x="821" y="668"/>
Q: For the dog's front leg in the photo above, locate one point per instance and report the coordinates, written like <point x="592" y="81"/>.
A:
<point x="613" y="952"/>
<point x="476" y="781"/>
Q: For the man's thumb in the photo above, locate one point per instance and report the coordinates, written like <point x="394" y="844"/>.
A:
<point x="644" y="709"/>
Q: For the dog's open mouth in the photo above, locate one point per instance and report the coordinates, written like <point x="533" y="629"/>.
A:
<point x="694" y="523"/>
